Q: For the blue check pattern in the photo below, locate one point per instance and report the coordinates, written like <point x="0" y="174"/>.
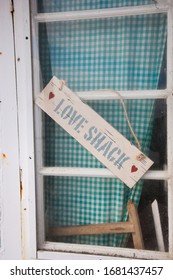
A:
<point x="116" y="53"/>
<point x="45" y="6"/>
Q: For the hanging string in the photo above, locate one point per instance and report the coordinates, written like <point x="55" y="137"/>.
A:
<point x="128" y="121"/>
<point x="140" y="156"/>
<point x="126" y="116"/>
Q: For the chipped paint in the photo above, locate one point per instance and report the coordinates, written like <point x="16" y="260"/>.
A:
<point x="21" y="186"/>
<point x="4" y="156"/>
<point x="23" y="217"/>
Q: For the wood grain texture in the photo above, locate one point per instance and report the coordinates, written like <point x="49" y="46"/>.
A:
<point x="95" y="134"/>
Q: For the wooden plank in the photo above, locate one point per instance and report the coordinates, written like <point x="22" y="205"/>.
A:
<point x="158" y="226"/>
<point x="134" y="219"/>
<point x="107" y="228"/>
<point x="93" y="132"/>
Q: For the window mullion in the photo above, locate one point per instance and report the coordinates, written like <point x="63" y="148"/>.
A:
<point x="101" y="13"/>
<point x="38" y="129"/>
<point x="109" y="94"/>
<point x="170" y="124"/>
<point x="97" y="172"/>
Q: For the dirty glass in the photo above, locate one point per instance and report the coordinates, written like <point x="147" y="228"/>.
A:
<point x="148" y="119"/>
<point x="100" y="204"/>
<point x="126" y="53"/>
<point x="44" y="6"/>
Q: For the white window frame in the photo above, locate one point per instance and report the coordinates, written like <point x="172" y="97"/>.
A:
<point x="10" y="223"/>
<point x="50" y="250"/>
<point x="24" y="107"/>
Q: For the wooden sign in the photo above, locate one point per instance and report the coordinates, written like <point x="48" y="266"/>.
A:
<point x="102" y="140"/>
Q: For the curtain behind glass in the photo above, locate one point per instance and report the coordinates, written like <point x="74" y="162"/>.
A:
<point x="121" y="54"/>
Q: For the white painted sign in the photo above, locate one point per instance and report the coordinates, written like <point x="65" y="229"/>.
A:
<point x="93" y="132"/>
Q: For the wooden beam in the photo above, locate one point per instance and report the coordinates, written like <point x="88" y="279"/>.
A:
<point x="132" y="226"/>
<point x="134" y="219"/>
<point x="107" y="228"/>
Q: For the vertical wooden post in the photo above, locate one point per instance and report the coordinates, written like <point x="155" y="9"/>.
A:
<point x="134" y="219"/>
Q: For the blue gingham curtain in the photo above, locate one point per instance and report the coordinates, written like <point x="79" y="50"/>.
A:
<point x="121" y="54"/>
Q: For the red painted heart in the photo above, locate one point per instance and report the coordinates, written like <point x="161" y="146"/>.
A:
<point x="51" y="95"/>
<point x="134" y="168"/>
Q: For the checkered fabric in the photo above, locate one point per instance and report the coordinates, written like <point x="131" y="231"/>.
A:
<point x="121" y="54"/>
<point x="45" y="6"/>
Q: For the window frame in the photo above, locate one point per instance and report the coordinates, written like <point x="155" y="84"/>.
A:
<point x="60" y="250"/>
<point x="25" y="129"/>
<point x="9" y="160"/>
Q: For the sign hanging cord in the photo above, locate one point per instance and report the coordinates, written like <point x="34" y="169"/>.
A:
<point x="126" y="116"/>
<point x="128" y="120"/>
<point x="125" y="113"/>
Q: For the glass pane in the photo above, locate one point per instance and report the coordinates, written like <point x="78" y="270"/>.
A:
<point x="158" y="144"/>
<point x="153" y="193"/>
<point x="115" y="53"/>
<point x="148" y="119"/>
<point x="120" y="54"/>
<point x="81" y="201"/>
<point x="45" y="6"/>
<point x="84" y="201"/>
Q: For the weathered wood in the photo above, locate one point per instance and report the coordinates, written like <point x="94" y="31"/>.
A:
<point x="93" y="132"/>
<point x="134" y="219"/>
<point x="131" y="226"/>
<point x="107" y="228"/>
